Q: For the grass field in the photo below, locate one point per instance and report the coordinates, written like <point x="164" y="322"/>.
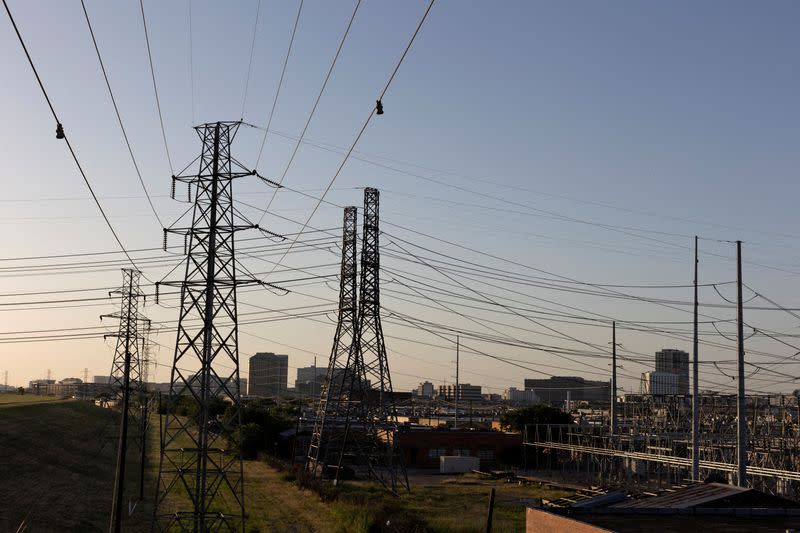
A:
<point x="57" y="462"/>
<point x="57" y="459"/>
<point x="9" y="399"/>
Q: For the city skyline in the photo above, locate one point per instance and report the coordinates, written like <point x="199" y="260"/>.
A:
<point x="584" y="172"/>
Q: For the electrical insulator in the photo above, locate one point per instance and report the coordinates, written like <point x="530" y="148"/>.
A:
<point x="189" y="191"/>
<point x="165" y="239"/>
<point x="378" y="107"/>
<point x="59" y="131"/>
<point x="172" y="194"/>
<point x="185" y="243"/>
<point x="157" y="285"/>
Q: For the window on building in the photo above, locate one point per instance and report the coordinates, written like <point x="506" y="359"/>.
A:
<point x="463" y="452"/>
<point x="487" y="455"/>
<point x="435" y="453"/>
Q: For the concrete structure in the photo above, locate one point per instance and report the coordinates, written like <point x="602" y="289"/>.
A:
<point x="675" y="362"/>
<point x="514" y="395"/>
<point x="269" y="373"/>
<point x="458" y="464"/>
<point x="309" y="380"/>
<point x="557" y="389"/>
<point x="425" y="390"/>
<point x="466" y="393"/>
<point x="659" y="383"/>
<point x="424" y="447"/>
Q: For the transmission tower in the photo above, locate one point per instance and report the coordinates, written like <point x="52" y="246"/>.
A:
<point x="126" y="380"/>
<point x="200" y="482"/>
<point x="333" y="410"/>
<point x="377" y="445"/>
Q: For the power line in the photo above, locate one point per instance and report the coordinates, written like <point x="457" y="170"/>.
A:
<point x="366" y="122"/>
<point x="280" y="82"/>
<point x="250" y="63"/>
<point x="313" y="110"/>
<point x="155" y="88"/>
<point x="61" y="133"/>
<point x="119" y="117"/>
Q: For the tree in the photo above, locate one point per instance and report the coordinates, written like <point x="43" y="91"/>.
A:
<point x="517" y="419"/>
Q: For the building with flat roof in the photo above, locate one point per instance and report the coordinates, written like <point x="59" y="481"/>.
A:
<point x="269" y="374"/>
<point x="659" y="383"/>
<point x="466" y="392"/>
<point x="424" y="390"/>
<point x="675" y="362"/>
<point x="514" y="395"/>
<point x="554" y="389"/>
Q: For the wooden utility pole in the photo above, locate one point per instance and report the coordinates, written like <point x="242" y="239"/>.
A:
<point x="695" y="384"/>
<point x="614" y="427"/>
<point x="458" y="346"/>
<point x="741" y="433"/>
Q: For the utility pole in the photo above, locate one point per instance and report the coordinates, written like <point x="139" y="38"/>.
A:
<point x="458" y="346"/>
<point x="741" y="414"/>
<point x="695" y="384"/>
<point x="614" y="428"/>
<point x="125" y="376"/>
<point x="201" y="462"/>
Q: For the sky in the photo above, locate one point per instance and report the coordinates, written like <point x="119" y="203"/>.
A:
<point x="552" y="160"/>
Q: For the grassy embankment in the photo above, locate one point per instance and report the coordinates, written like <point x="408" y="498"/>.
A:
<point x="57" y="460"/>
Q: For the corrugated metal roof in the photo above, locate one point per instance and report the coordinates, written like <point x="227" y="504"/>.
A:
<point x="684" y="498"/>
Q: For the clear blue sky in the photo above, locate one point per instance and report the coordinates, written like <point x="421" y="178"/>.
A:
<point x="633" y="125"/>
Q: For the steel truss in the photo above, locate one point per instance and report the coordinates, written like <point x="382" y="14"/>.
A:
<point x="200" y="481"/>
<point x="334" y="407"/>
<point x="654" y="443"/>
<point x="126" y="383"/>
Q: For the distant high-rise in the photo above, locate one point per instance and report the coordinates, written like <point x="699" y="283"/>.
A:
<point x="310" y="380"/>
<point x="268" y="374"/>
<point x="659" y="383"/>
<point x="424" y="390"/>
<point x="675" y="362"/>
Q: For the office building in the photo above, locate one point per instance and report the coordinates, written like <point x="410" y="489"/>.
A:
<point x="424" y="390"/>
<point x="554" y="389"/>
<point x="514" y="395"/>
<point x="466" y="392"/>
<point x="269" y="374"/>
<point x="675" y="362"/>
<point x="659" y="383"/>
<point x="309" y="380"/>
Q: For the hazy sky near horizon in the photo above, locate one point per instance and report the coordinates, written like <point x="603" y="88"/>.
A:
<point x="590" y="140"/>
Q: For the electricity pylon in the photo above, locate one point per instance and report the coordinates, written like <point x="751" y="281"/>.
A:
<point x="330" y="426"/>
<point x="200" y="481"/>
<point x="377" y="445"/>
<point x="356" y="423"/>
<point x="126" y="378"/>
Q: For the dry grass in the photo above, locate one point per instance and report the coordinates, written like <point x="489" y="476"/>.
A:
<point x="452" y="504"/>
<point x="9" y="400"/>
<point x="57" y="473"/>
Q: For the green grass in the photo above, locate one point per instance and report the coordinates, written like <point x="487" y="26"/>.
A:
<point x="453" y="504"/>
<point x="57" y="462"/>
<point x="10" y="400"/>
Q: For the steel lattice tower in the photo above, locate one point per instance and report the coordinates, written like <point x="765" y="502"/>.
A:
<point x="200" y="482"/>
<point x="333" y="410"/>
<point x="128" y="337"/>
<point x="126" y="380"/>
<point x="377" y="445"/>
